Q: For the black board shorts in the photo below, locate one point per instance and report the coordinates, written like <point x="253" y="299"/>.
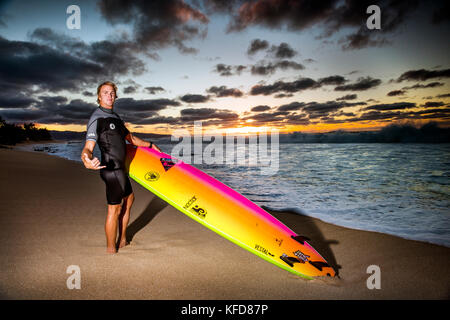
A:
<point x="117" y="183"/>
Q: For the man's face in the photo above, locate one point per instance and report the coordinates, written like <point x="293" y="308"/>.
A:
<point x="107" y="96"/>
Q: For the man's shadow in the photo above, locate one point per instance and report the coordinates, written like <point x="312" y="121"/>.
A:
<point x="155" y="206"/>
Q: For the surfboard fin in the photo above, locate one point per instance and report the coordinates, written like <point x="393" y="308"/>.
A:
<point x="289" y="260"/>
<point x="300" y="239"/>
<point x="319" y="264"/>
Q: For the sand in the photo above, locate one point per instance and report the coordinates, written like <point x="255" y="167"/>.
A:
<point x="52" y="217"/>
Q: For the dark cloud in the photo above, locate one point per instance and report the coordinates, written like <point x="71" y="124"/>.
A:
<point x="257" y="45"/>
<point x="10" y="100"/>
<point x="440" y="15"/>
<point x="445" y="95"/>
<point x="281" y="86"/>
<point x="194" y="114"/>
<point x="262" y="68"/>
<point x="120" y="54"/>
<point x="363" y="38"/>
<point x="423" y="75"/>
<point x="194" y="98"/>
<point x="332" y="16"/>
<point x="157" y="23"/>
<point x="260" y="108"/>
<point x="51" y="110"/>
<point x="347" y="97"/>
<point x="283" y="95"/>
<point x="394" y="93"/>
<point x="391" y="106"/>
<point x="268" y="117"/>
<point x="296" y="15"/>
<point x="291" y="106"/>
<point x="433" y="104"/>
<point x="144" y="105"/>
<point x="332" y="80"/>
<point x="129" y="89"/>
<point x="316" y="109"/>
<point x="283" y="51"/>
<point x="229" y="70"/>
<point x="362" y="84"/>
<point x="53" y="62"/>
<point x="88" y="94"/>
<point x="223" y="91"/>
<point x="423" y="86"/>
<point x="154" y="90"/>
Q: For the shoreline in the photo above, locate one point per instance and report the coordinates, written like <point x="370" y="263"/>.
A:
<point x="53" y="218"/>
<point x="23" y="147"/>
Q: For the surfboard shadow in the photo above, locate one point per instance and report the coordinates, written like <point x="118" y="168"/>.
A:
<point x="155" y="206"/>
<point x="305" y="226"/>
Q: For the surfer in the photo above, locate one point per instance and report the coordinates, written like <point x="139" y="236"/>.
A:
<point x="106" y="128"/>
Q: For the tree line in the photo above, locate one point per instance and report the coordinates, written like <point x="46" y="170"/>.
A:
<point x="10" y="133"/>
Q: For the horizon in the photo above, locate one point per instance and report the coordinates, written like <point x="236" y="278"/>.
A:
<point x="240" y="66"/>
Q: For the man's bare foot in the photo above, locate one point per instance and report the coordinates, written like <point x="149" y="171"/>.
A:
<point x="123" y="243"/>
<point x="111" y="250"/>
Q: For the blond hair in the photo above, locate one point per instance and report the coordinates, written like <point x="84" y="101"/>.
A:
<point x="109" y="83"/>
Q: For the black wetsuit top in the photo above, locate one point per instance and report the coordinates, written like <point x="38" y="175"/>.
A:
<point x="107" y="129"/>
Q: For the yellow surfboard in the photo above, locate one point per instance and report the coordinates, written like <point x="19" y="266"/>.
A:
<point x="225" y="211"/>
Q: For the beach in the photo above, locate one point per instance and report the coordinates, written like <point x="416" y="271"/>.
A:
<point x="52" y="217"/>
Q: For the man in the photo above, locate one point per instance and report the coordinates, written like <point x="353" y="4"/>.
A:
<point x="106" y="128"/>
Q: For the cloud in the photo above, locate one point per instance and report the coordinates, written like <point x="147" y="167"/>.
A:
<point x="194" y="98"/>
<point x="223" y="91"/>
<point x="281" y="86"/>
<point x="391" y="106"/>
<point x="52" y="62"/>
<point x="433" y="104"/>
<point x="10" y="100"/>
<point x="347" y="97"/>
<point x="229" y="70"/>
<point x="362" y="84"/>
<point x="424" y="86"/>
<point x="157" y="23"/>
<point x="331" y="16"/>
<point x="283" y="51"/>
<point x="394" y="93"/>
<point x="260" y="108"/>
<point x="257" y="45"/>
<point x="154" y="90"/>
<point x="265" y="69"/>
<point x="291" y="106"/>
<point x="194" y="114"/>
<point x="332" y="80"/>
<point x="423" y="75"/>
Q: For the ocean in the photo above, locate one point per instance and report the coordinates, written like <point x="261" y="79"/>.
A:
<point x="401" y="189"/>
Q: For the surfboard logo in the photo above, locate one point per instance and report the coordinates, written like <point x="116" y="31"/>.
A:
<point x="263" y="250"/>
<point x="303" y="257"/>
<point x="190" y="202"/>
<point x="199" y="211"/>
<point x="168" y="163"/>
<point x="151" y="176"/>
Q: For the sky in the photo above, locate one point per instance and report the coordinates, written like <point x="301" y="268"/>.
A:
<point x="236" y="65"/>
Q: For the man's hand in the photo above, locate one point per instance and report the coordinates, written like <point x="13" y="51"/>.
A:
<point x="93" y="164"/>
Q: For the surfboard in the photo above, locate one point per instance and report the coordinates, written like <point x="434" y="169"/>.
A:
<point x="225" y="211"/>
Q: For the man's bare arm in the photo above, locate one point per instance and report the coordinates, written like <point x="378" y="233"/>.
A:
<point x="140" y="143"/>
<point x="87" y="156"/>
